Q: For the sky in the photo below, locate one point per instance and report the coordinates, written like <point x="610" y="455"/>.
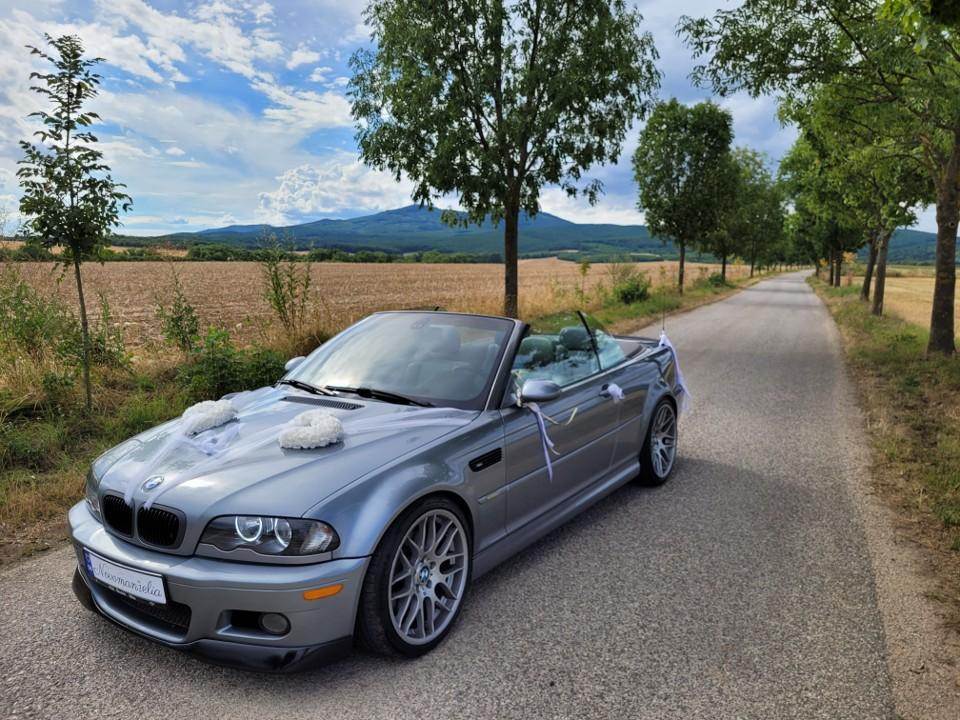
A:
<point x="220" y="112"/>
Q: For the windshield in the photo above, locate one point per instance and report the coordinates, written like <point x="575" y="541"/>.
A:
<point x="439" y="358"/>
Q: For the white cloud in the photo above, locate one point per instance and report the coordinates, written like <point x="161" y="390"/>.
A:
<point x="319" y="75"/>
<point x="262" y="13"/>
<point x="616" y="209"/>
<point x="175" y="151"/>
<point x="302" y="56"/>
<point x="341" y="182"/>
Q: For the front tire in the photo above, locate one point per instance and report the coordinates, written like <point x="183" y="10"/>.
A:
<point x="418" y="577"/>
<point x="659" y="454"/>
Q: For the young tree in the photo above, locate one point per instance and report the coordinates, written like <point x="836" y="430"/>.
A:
<point x="792" y="47"/>
<point x="751" y="216"/>
<point x="680" y="167"/>
<point x="69" y="199"/>
<point x="493" y="100"/>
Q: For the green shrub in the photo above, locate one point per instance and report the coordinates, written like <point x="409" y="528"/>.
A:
<point x="260" y="367"/>
<point x="32" y="444"/>
<point x="33" y="325"/>
<point x="633" y="289"/>
<point x="716" y="280"/>
<point x="218" y="367"/>
<point x="107" y="347"/>
<point x="286" y="285"/>
<point x="179" y="322"/>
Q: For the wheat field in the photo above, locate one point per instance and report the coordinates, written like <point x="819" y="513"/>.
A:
<point x="230" y="293"/>
<point x="911" y="299"/>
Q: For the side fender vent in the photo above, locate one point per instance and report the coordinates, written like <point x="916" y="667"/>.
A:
<point x="481" y="462"/>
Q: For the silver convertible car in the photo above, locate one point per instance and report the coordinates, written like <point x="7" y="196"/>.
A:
<point x="356" y="499"/>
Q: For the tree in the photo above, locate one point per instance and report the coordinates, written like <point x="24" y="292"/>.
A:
<point x="820" y="210"/>
<point x="751" y="215"/>
<point x="880" y="180"/>
<point x="792" y="47"/>
<point x="679" y="166"/>
<point x="491" y="101"/>
<point x="69" y="199"/>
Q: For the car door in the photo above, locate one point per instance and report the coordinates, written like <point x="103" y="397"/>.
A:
<point x="585" y="433"/>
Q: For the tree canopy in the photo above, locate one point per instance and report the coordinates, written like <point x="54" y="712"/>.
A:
<point x="490" y="101"/>
<point x="682" y="166"/>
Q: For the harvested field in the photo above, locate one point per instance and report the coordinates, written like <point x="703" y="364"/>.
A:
<point x="911" y="299"/>
<point x="229" y="293"/>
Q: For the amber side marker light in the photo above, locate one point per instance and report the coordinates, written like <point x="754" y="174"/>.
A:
<point x="322" y="592"/>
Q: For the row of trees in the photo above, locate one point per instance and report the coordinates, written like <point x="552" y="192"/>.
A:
<point x="699" y="191"/>
<point x="872" y="85"/>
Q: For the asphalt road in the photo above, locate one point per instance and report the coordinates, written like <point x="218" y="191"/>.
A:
<point x="742" y="589"/>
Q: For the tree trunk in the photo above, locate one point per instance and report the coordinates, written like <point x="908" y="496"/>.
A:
<point x="85" y="334"/>
<point x="723" y="269"/>
<point x="511" y="283"/>
<point x="839" y="270"/>
<point x="831" y="266"/>
<point x="941" y="318"/>
<point x="683" y="257"/>
<point x="880" y="284"/>
<point x="868" y="273"/>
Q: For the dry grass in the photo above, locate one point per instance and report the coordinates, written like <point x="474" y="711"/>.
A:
<point x="229" y="293"/>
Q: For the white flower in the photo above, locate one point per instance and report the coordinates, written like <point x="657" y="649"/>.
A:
<point x="311" y="429"/>
<point x="205" y="415"/>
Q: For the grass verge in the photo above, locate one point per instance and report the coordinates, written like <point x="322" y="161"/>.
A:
<point x="912" y="408"/>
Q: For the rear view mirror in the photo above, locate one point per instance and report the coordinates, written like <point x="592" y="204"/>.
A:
<point x="293" y="362"/>
<point x="539" y="391"/>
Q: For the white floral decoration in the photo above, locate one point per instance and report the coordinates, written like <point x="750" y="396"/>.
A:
<point x="205" y="415"/>
<point x="311" y="429"/>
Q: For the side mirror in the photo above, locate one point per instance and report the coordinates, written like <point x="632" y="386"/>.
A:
<point x="293" y="362"/>
<point x="539" y="391"/>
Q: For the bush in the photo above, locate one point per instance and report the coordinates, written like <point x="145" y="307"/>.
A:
<point x="286" y="285"/>
<point x="180" y="325"/>
<point x="633" y="289"/>
<point x="716" y="280"/>
<point x="107" y="347"/>
<point x="30" y="324"/>
<point x="218" y="367"/>
<point x="32" y="444"/>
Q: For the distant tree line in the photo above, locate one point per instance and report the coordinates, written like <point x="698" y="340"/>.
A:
<point x="35" y="252"/>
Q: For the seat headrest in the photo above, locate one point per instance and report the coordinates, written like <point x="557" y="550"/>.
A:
<point x="539" y="350"/>
<point x="575" y="337"/>
<point x="442" y="341"/>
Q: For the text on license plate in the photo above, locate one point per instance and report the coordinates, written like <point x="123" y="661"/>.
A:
<point x="145" y="586"/>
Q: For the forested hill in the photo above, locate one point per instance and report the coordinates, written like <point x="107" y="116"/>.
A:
<point x="413" y="228"/>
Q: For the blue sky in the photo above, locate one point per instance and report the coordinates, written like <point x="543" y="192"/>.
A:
<point x="234" y="111"/>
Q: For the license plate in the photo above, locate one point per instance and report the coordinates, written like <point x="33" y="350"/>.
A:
<point x="138" y="584"/>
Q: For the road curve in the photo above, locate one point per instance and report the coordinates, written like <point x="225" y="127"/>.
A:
<point x="742" y="589"/>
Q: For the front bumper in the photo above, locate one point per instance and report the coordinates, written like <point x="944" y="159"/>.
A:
<point x="205" y="598"/>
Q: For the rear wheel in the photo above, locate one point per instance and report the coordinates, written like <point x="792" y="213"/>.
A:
<point x="416" y="582"/>
<point x="659" y="453"/>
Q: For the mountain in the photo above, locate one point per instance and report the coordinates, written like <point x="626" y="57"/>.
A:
<point x="413" y="228"/>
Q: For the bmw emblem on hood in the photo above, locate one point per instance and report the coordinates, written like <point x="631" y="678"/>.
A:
<point x="152" y="482"/>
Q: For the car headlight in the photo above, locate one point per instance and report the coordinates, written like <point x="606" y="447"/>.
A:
<point x="92" y="494"/>
<point x="271" y="535"/>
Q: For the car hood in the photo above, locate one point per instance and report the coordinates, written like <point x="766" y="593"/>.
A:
<point x="253" y="474"/>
